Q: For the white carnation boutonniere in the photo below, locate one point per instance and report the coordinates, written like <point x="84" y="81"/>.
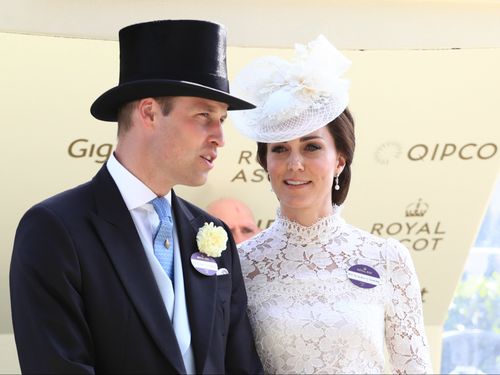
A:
<point x="211" y="240"/>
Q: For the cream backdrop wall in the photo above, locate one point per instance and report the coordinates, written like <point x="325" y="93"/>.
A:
<point x="427" y="124"/>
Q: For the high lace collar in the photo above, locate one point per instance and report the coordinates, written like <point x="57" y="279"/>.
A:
<point x="318" y="233"/>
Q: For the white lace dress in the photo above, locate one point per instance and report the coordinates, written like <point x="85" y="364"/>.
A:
<point x="308" y="317"/>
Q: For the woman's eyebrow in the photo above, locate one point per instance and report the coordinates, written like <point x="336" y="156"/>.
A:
<point x="309" y="137"/>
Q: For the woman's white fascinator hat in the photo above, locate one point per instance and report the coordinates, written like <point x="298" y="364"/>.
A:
<point x="295" y="97"/>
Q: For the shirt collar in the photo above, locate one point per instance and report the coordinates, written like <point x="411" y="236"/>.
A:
<point x="134" y="192"/>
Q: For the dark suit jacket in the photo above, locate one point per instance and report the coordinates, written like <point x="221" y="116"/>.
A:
<point x="84" y="298"/>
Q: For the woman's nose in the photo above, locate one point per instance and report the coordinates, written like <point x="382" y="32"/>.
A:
<point x="295" y="163"/>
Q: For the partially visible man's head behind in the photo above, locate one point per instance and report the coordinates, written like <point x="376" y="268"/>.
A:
<point x="237" y="215"/>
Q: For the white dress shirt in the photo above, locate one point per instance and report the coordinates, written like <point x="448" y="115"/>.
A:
<point x="137" y="197"/>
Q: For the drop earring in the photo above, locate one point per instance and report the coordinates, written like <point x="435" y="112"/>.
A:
<point x="337" y="186"/>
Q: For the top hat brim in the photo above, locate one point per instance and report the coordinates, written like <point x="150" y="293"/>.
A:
<point x="106" y="106"/>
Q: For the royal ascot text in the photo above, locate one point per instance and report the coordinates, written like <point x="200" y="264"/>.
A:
<point x="248" y="172"/>
<point x="417" y="236"/>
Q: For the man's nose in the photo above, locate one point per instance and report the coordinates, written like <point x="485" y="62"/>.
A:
<point x="217" y="136"/>
<point x="238" y="236"/>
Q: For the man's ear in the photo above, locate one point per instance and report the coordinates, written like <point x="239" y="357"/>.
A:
<point x="146" y="109"/>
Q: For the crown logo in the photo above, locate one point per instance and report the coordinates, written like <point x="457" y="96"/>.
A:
<point x="416" y="209"/>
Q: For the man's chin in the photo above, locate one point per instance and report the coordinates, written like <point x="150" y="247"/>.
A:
<point x="198" y="182"/>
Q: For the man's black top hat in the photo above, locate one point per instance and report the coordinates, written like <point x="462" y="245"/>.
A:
<point x="169" y="58"/>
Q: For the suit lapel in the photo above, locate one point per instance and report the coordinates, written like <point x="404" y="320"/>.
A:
<point x="116" y="228"/>
<point x="200" y="289"/>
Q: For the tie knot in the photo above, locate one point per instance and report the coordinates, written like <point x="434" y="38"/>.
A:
<point x="162" y="208"/>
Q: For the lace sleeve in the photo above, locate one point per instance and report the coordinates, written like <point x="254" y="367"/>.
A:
<point x="404" y="326"/>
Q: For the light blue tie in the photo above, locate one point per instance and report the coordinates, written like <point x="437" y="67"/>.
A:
<point x="163" y="240"/>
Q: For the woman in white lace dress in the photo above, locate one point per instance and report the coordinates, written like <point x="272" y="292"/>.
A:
<point x="323" y="296"/>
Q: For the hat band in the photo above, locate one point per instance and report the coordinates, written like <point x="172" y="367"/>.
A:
<point x="207" y="79"/>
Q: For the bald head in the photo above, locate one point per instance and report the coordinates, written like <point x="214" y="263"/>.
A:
<point x="237" y="215"/>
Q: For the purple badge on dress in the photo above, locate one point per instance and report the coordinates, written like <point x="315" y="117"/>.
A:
<point x="204" y="264"/>
<point x="363" y="276"/>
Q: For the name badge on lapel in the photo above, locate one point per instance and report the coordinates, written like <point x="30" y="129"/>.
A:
<point x="363" y="276"/>
<point x="204" y="264"/>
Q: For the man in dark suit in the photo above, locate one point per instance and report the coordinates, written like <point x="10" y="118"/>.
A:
<point x="108" y="277"/>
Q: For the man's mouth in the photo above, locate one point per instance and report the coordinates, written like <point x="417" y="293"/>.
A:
<point x="209" y="157"/>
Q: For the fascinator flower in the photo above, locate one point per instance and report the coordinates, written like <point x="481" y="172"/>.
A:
<point x="295" y="97"/>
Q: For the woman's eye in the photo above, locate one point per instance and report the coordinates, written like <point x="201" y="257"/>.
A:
<point x="278" y="149"/>
<point x="312" y="147"/>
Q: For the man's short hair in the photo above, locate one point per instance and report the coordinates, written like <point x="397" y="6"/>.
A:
<point x="125" y="112"/>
